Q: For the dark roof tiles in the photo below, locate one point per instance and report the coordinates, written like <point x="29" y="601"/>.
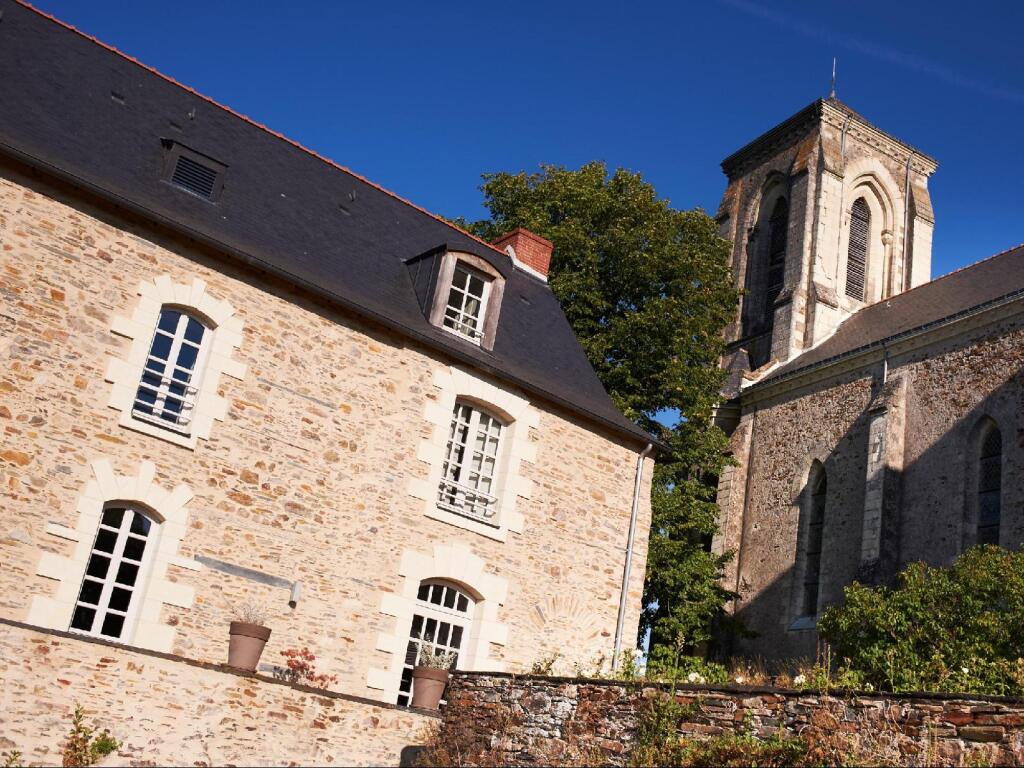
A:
<point x="283" y="208"/>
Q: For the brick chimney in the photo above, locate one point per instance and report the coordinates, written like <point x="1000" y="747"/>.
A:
<point x="527" y="249"/>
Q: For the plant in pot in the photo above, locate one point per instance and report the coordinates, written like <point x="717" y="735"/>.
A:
<point x="248" y="637"/>
<point x="430" y="676"/>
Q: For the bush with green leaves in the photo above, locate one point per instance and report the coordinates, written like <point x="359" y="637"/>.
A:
<point x="957" y="629"/>
<point x="83" y="745"/>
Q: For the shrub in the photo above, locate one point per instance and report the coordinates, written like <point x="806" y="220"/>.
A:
<point x="957" y="629"/>
<point x="693" y="670"/>
<point x="83" y="748"/>
<point x="747" y="750"/>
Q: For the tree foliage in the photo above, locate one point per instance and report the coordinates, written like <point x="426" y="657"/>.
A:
<point x="941" y="629"/>
<point x="647" y="289"/>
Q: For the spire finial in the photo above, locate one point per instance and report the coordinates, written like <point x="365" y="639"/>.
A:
<point x="832" y="95"/>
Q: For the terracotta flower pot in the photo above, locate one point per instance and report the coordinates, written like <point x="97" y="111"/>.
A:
<point x="246" y="646"/>
<point x="428" y="686"/>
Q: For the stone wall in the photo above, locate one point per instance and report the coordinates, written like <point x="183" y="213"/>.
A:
<point x="890" y="502"/>
<point x="310" y="475"/>
<point x="168" y="710"/>
<point x="533" y="720"/>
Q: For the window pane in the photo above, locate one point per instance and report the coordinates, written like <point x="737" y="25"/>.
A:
<point x="127" y="573"/>
<point x="161" y="346"/>
<point x="133" y="548"/>
<point x="105" y="540"/>
<point x="140" y="524"/>
<point x="169" y="320"/>
<point x="112" y="625"/>
<point x="463" y="603"/>
<point x="456" y="639"/>
<point x="430" y="630"/>
<point x="442" y="633"/>
<point x="83" y="618"/>
<point x="91" y="591"/>
<point x="120" y="598"/>
<point x="187" y="356"/>
<point x="417" y="626"/>
<point x="459" y="278"/>
<point x="98" y="566"/>
<point x="112" y="516"/>
<point x="449" y="598"/>
<point x="424" y="589"/>
<point x="476" y="286"/>
<point x="194" y="331"/>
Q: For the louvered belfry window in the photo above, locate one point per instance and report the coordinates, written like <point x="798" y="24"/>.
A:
<point x="857" y="253"/>
<point x="990" y="484"/>
<point x="812" y="553"/>
<point x="778" y="227"/>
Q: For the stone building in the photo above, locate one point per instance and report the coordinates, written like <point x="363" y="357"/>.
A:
<point x="234" y="371"/>
<point x="875" y="412"/>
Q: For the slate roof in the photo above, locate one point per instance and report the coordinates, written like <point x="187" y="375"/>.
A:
<point x="280" y="207"/>
<point x="995" y="279"/>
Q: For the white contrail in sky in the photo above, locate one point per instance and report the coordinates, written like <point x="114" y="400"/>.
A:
<point x="880" y="52"/>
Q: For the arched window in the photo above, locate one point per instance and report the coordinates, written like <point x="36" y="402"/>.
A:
<point x="857" y="250"/>
<point x="469" y="475"/>
<point x="170" y="379"/>
<point x="990" y="483"/>
<point x="818" y="487"/>
<point x="778" y="226"/>
<point x="441" y="620"/>
<point x="109" y="595"/>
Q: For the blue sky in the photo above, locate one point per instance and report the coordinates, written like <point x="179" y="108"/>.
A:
<point x="423" y="97"/>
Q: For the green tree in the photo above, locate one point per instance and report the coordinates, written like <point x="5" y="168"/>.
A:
<point x="648" y="290"/>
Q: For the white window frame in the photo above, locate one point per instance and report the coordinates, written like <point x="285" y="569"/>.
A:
<point x="459" y="325"/>
<point x="224" y="329"/>
<point x="458" y="492"/>
<point x="486" y="328"/>
<point x="191" y="388"/>
<point x="109" y="583"/>
<point x="427" y="611"/>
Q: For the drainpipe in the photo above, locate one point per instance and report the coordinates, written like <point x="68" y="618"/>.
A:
<point x="628" y="567"/>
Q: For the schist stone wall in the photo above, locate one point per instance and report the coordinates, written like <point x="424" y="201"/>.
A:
<point x="171" y="711"/>
<point x="534" y="720"/>
<point x="323" y="434"/>
<point x="901" y="459"/>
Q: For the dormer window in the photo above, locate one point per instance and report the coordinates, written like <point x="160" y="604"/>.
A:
<point x="467" y="303"/>
<point x="467" y="298"/>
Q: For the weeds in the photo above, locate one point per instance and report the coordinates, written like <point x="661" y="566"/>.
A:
<point x="301" y="669"/>
<point x="82" y="747"/>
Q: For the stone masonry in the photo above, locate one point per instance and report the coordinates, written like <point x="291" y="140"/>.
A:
<point x="305" y="475"/>
<point x="531" y="720"/>
<point x="170" y="711"/>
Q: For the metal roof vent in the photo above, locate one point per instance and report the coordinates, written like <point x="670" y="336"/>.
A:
<point x="195" y="173"/>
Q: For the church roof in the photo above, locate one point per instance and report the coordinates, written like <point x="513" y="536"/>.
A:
<point x="963" y="292"/>
<point x="800" y="124"/>
<point x="92" y="116"/>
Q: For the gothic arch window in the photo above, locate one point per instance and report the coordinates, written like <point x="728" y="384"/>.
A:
<point x="814" y="514"/>
<point x="990" y="484"/>
<point x="857" y="250"/>
<point x="778" y="226"/>
<point x="442" y="620"/>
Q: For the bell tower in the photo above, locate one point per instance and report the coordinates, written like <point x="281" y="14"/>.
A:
<point x="827" y="214"/>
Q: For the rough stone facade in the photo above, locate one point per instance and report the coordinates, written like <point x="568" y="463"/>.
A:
<point x="312" y="470"/>
<point x="893" y="501"/>
<point x="172" y="711"/>
<point x="535" y="720"/>
<point x="887" y="431"/>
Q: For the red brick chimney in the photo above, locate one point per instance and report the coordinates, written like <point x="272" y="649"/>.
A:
<point x="528" y="249"/>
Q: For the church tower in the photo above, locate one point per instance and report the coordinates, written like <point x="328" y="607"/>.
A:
<point x="827" y="214"/>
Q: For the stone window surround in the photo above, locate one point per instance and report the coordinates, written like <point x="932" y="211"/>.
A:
<point x="867" y="178"/>
<point x="226" y="330"/>
<point x="455" y="563"/>
<point x="817" y="457"/>
<point x="519" y="416"/>
<point x="168" y="508"/>
<point x="492" y="305"/>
